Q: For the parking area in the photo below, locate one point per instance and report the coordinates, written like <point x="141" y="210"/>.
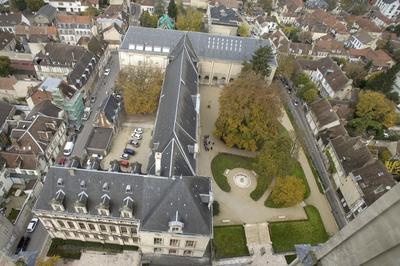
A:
<point x="120" y="142"/>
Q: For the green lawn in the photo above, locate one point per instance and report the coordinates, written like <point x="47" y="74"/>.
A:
<point x="284" y="235"/>
<point x="230" y="241"/>
<point x="224" y="161"/>
<point x="297" y="171"/>
<point x="71" y="249"/>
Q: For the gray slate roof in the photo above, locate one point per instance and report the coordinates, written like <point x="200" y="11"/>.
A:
<point x="175" y="133"/>
<point x="205" y="45"/>
<point x="47" y="11"/>
<point x="156" y="200"/>
<point x="45" y="107"/>
<point x="5" y="110"/>
<point x="220" y="15"/>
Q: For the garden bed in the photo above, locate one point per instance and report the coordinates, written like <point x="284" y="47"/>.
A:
<point x="284" y="235"/>
<point x="230" y="242"/>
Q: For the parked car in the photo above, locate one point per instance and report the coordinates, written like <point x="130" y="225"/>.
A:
<point x="22" y="244"/>
<point x="86" y="113"/>
<point x="69" y="146"/>
<point x="72" y="138"/>
<point x="134" y="143"/>
<point x="124" y="163"/>
<point x="125" y="156"/>
<point x="92" y="99"/>
<point x="61" y="161"/>
<point x="137" y="136"/>
<point x="107" y="72"/>
<point x="32" y="225"/>
<point x="138" y="130"/>
<point x="296" y="102"/>
<point x="26" y="243"/>
<point x="129" y="151"/>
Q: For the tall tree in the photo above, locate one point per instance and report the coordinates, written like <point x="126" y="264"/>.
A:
<point x="266" y="5"/>
<point x="248" y="113"/>
<point x="191" y="20"/>
<point x="243" y="30"/>
<point x="260" y="61"/>
<point x="5" y="68"/>
<point x="274" y="157"/>
<point x="172" y="9"/>
<point x="357" y="72"/>
<point x="34" y="5"/>
<point x="147" y="20"/>
<point x="288" y="191"/>
<point x="141" y="89"/>
<point x="287" y="66"/>
<point x="91" y="11"/>
<point x="18" y="4"/>
<point x="159" y="8"/>
<point x="373" y="111"/>
<point x="383" y="82"/>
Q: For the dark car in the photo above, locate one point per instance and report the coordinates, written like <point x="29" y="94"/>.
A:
<point x="26" y="243"/>
<point x="22" y="244"/>
<point x="129" y="151"/>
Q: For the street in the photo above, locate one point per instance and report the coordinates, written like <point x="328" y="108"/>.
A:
<point x="103" y="87"/>
<point x="316" y="157"/>
<point x="38" y="238"/>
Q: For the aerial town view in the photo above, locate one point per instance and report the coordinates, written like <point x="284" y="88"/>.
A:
<point x="199" y="132"/>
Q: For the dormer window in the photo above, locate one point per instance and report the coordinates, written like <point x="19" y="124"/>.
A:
<point x="126" y="210"/>
<point x="57" y="203"/>
<point x="176" y="226"/>
<point x="104" y="207"/>
<point x="81" y="203"/>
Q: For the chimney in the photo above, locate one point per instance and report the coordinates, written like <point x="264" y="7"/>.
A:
<point x="157" y="158"/>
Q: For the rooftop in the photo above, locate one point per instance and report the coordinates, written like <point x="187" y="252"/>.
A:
<point x="100" y="138"/>
<point x="10" y="18"/>
<point x="47" y="11"/>
<point x="220" y="15"/>
<point x="323" y="112"/>
<point x="156" y="200"/>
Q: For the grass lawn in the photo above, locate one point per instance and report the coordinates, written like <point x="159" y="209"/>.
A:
<point x="12" y="216"/>
<point x="230" y="241"/>
<point x="284" y="235"/>
<point x="224" y="161"/>
<point x="71" y="249"/>
<point x="297" y="171"/>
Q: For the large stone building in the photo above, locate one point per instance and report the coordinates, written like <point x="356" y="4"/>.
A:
<point x="165" y="211"/>
<point x="220" y="58"/>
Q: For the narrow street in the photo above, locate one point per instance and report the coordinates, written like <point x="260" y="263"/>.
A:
<point x="316" y="157"/>
<point x="103" y="87"/>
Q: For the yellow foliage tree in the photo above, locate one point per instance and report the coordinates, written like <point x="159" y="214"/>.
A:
<point x="141" y="89"/>
<point x="48" y="262"/>
<point x="288" y="191"/>
<point x="190" y="20"/>
<point x="243" y="30"/>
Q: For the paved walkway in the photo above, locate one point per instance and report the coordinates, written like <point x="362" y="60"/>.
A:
<point x="127" y="258"/>
<point x="236" y="207"/>
<point x="316" y="198"/>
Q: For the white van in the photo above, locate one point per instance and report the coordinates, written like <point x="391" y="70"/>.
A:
<point x="69" y="146"/>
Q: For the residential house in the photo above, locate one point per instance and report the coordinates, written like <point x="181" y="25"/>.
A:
<point x="72" y="27"/>
<point x="46" y="108"/>
<point x="135" y="209"/>
<point x="379" y="59"/>
<point x="74" y="64"/>
<point x="316" y="4"/>
<point x="14" y="90"/>
<point x="263" y="25"/>
<point x="300" y="49"/>
<point x="7" y="41"/>
<point x="235" y="4"/>
<point x="288" y="18"/>
<point x="7" y="111"/>
<point x="45" y="15"/>
<point x="328" y="46"/>
<point x="9" y="20"/>
<point x="330" y="79"/>
<point x="147" y="6"/>
<point x="380" y="20"/>
<point x="34" y="145"/>
<point x="222" y="20"/>
<point x="389" y="8"/>
<point x="359" y="178"/>
<point x="73" y="6"/>
<point x="113" y="15"/>
<point x="361" y="40"/>
<point x="36" y="37"/>
<point x="220" y="57"/>
<point x="364" y="23"/>
<point x="106" y="125"/>
<point x="65" y="97"/>
<point x="113" y="36"/>
<point x="289" y="6"/>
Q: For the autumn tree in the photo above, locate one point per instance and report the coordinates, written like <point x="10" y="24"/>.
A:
<point x="91" y="11"/>
<point x="288" y="191"/>
<point x="274" y="157"/>
<point x="373" y="111"/>
<point x="5" y="68"/>
<point x="307" y="89"/>
<point x="172" y="9"/>
<point x="260" y="61"/>
<point x="248" y="113"/>
<point x="266" y="5"/>
<point x="148" y="20"/>
<point x="357" y="72"/>
<point x="141" y="89"/>
<point x="287" y="66"/>
<point x="34" y="5"/>
<point x="243" y="30"/>
<point x="191" y="20"/>
<point x="51" y="261"/>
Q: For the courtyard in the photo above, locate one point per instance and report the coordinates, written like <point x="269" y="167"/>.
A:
<point x="236" y="205"/>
